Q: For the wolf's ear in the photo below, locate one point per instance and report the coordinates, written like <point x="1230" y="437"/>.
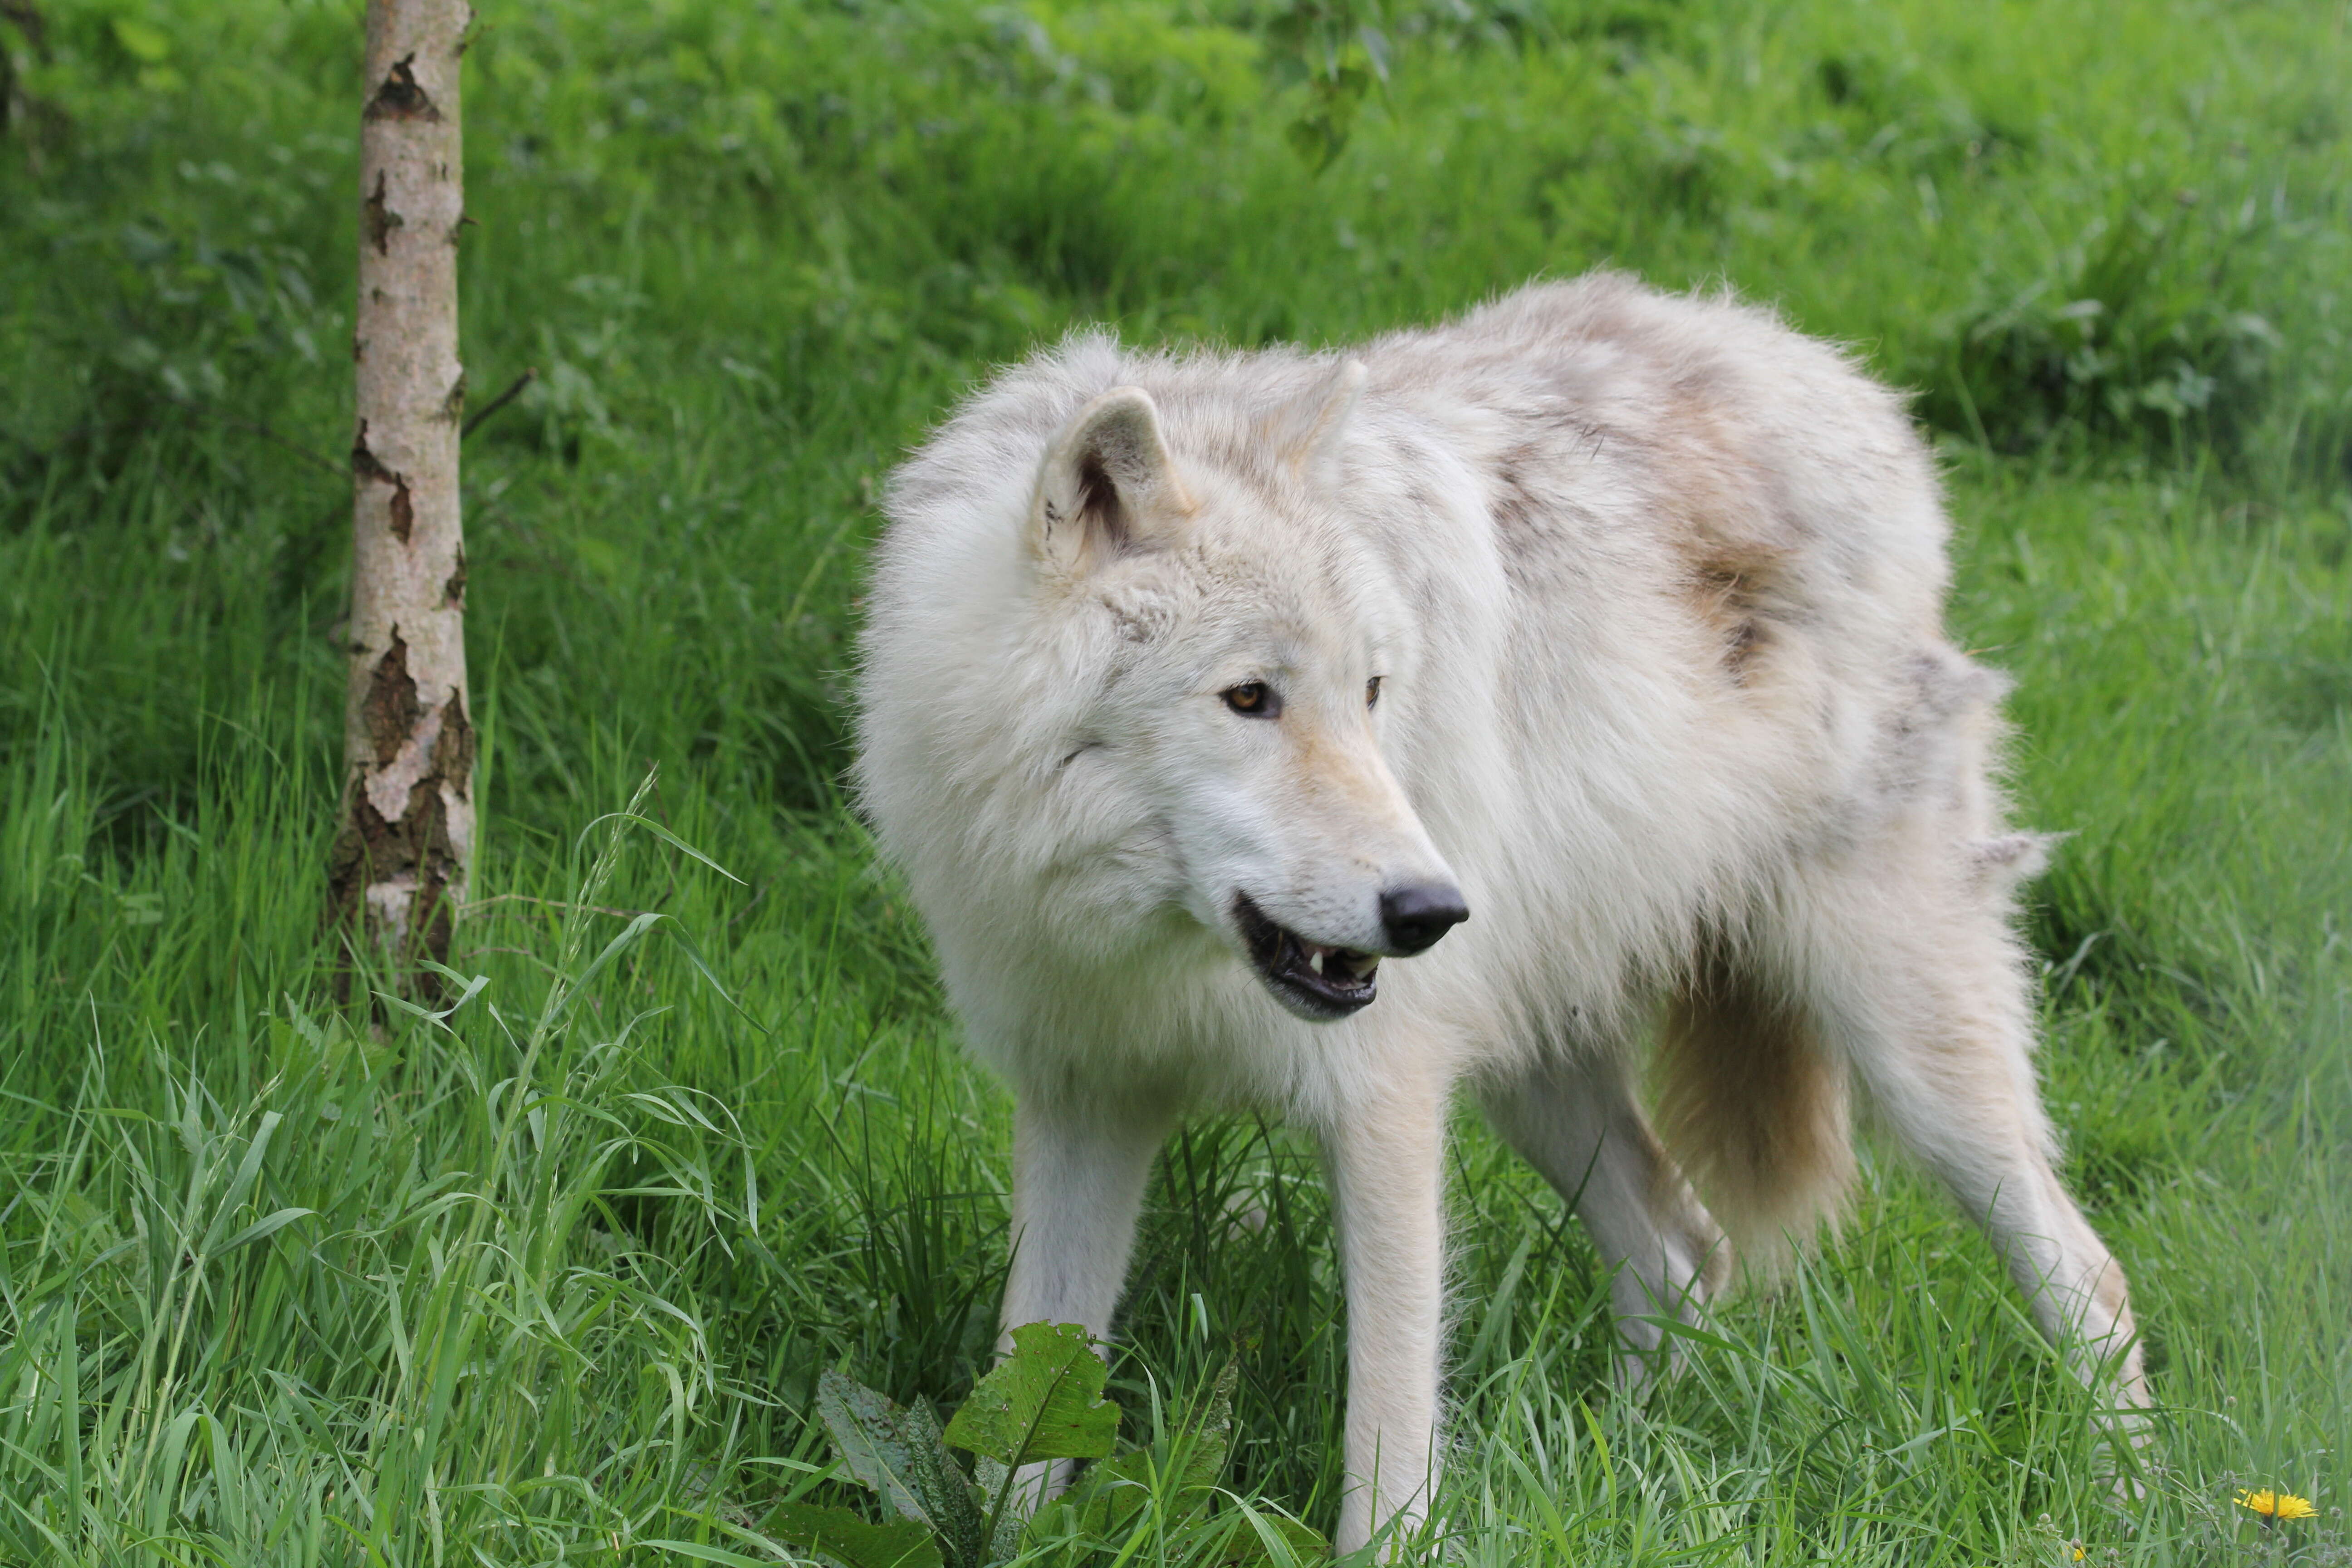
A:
<point x="1307" y="430"/>
<point x="1107" y="486"/>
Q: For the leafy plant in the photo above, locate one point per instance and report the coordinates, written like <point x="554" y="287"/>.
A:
<point x="2136" y="329"/>
<point x="1042" y="1404"/>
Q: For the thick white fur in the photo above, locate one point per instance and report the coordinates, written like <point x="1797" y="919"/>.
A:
<point x="1654" y="589"/>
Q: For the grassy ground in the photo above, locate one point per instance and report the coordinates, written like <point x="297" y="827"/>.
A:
<point x="551" y="1278"/>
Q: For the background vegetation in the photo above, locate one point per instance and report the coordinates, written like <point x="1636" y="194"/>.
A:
<point x="551" y="1279"/>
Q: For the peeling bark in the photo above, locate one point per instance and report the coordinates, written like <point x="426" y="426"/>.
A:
<point x="404" y="847"/>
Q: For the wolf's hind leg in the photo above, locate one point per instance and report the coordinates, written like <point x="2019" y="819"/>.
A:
<point x="1918" y="981"/>
<point x="1577" y="1124"/>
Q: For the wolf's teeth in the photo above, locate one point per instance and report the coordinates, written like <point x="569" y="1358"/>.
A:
<point x="1315" y="960"/>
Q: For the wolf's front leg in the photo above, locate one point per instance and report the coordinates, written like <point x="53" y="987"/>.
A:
<point x="1079" y="1163"/>
<point x="1387" y="1158"/>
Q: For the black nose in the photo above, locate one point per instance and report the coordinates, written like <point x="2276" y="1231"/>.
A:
<point x="1417" y="916"/>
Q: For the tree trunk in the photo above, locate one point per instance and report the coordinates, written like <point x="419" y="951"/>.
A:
<point x="404" y="846"/>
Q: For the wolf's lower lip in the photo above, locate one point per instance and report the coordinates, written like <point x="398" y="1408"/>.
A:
<point x="1315" y="979"/>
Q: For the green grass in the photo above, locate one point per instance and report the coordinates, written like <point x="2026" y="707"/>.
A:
<point x="557" y="1301"/>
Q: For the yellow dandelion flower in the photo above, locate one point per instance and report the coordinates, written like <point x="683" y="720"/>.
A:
<point x="2079" y="1554"/>
<point x="2269" y="1505"/>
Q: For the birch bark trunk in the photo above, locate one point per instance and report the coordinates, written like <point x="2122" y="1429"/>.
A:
<point x="404" y="844"/>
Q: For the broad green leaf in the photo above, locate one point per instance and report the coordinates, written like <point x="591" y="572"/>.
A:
<point x="991" y="1478"/>
<point x="865" y="1427"/>
<point x="896" y="1451"/>
<point x="841" y="1535"/>
<point x="1043" y="1402"/>
<point x="955" y="1504"/>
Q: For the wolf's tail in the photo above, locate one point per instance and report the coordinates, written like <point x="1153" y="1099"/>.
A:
<point x="1755" y="1110"/>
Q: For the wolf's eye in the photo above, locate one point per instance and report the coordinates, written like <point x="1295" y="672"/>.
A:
<point x="1372" y="691"/>
<point x="1252" y="699"/>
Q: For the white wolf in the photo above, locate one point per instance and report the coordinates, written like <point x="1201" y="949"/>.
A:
<point x="1598" y="633"/>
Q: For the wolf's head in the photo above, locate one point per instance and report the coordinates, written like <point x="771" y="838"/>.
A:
<point x="1193" y="695"/>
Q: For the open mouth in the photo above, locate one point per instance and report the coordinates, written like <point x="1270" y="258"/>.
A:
<point x="1312" y="979"/>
